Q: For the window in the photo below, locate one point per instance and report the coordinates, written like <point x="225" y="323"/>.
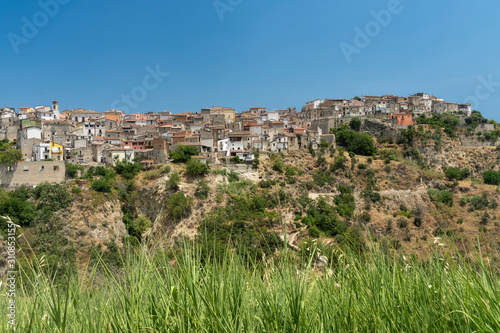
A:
<point x="56" y="167"/>
<point x="42" y="168"/>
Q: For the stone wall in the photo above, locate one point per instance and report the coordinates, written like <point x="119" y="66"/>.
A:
<point x="32" y="173"/>
<point x="474" y="141"/>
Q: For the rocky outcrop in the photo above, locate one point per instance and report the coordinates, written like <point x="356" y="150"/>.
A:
<point x="89" y="222"/>
<point x="379" y="129"/>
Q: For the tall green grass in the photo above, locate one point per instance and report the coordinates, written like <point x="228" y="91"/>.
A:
<point x="158" y="292"/>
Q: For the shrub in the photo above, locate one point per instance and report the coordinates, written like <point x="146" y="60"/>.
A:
<point x="179" y="206"/>
<point x="278" y="165"/>
<point x="373" y="196"/>
<point x="321" y="178"/>
<point x="107" y="173"/>
<point x="149" y="175"/>
<point x="236" y="160"/>
<point x="365" y="217"/>
<point x="173" y="182"/>
<point x="72" y="170"/>
<point x="314" y="232"/>
<point x="355" y="124"/>
<point x="402" y="222"/>
<point x="325" y="218"/>
<point x="491" y="177"/>
<point x="290" y="171"/>
<point x="127" y="170"/>
<point x="101" y="185"/>
<point x="345" y="204"/>
<point x="196" y="168"/>
<point x="233" y="176"/>
<point x="339" y="163"/>
<point x="76" y="190"/>
<point x="456" y="173"/>
<point x="407" y="136"/>
<point x="202" y="189"/>
<point x="164" y="170"/>
<point x="21" y="211"/>
<point x="255" y="163"/>
<point x="485" y="218"/>
<point x="362" y="166"/>
<point x="267" y="183"/>
<point x="443" y="196"/>
<point x="358" y="143"/>
<point x="50" y="196"/>
<point x="476" y="202"/>
<point x="183" y="153"/>
<point x="139" y="226"/>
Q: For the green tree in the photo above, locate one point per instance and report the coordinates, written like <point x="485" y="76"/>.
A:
<point x="55" y="197"/>
<point x="407" y="136"/>
<point x="491" y="177"/>
<point x="456" y="173"/>
<point x="127" y="170"/>
<point x="179" y="206"/>
<point x="22" y="212"/>
<point x="72" y="170"/>
<point x="138" y="226"/>
<point x="355" y="124"/>
<point x="101" y="185"/>
<point x="196" y="168"/>
<point x="183" y="153"/>
<point x="202" y="189"/>
<point x="233" y="176"/>
<point x="358" y="143"/>
<point x="9" y="155"/>
<point x="173" y="182"/>
<point x="278" y="165"/>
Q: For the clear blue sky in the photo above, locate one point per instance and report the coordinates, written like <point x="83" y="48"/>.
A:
<point x="263" y="53"/>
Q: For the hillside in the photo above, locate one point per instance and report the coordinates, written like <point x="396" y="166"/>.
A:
<point x="395" y="195"/>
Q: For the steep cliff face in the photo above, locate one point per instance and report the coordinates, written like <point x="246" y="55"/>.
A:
<point x="451" y="153"/>
<point x="379" y="128"/>
<point x="96" y="219"/>
<point x="93" y="219"/>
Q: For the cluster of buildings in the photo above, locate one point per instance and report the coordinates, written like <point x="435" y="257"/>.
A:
<point x="86" y="137"/>
<point x="382" y="106"/>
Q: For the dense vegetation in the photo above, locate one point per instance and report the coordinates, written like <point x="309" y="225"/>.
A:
<point x="183" y="153"/>
<point x="34" y="210"/>
<point x="491" y="177"/>
<point x="8" y="154"/>
<point x="456" y="173"/>
<point x="180" y="291"/>
<point x="353" y="141"/>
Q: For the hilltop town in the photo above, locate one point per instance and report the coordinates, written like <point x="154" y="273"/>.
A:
<point x="88" y="138"/>
<point x="399" y="177"/>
